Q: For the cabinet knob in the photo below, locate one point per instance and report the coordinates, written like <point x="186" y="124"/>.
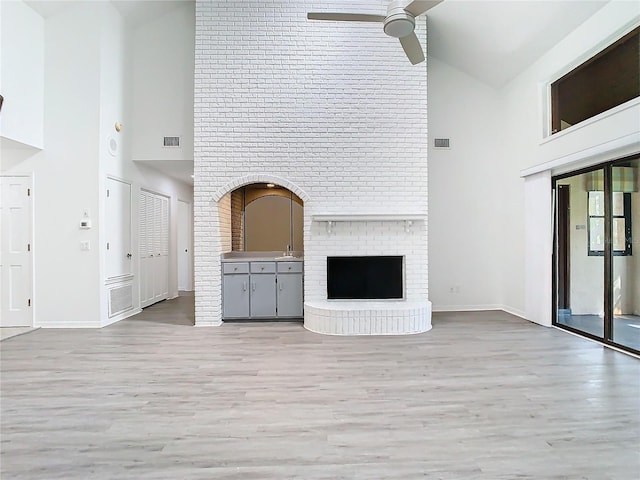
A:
<point x="261" y="268"/>
<point x="235" y="268"/>
<point x="289" y="268"/>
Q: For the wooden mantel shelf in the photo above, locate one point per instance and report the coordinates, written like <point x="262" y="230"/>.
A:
<point x="368" y="217"/>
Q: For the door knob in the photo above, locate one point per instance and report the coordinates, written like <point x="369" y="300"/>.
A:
<point x="129" y="255"/>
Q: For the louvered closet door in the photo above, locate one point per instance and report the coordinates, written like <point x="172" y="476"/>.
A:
<point x="146" y="253"/>
<point x="154" y="248"/>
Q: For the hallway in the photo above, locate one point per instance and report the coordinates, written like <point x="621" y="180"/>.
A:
<point x="484" y="395"/>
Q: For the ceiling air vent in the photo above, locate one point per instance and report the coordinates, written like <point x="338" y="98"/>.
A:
<point x="441" y="143"/>
<point x="171" y="141"/>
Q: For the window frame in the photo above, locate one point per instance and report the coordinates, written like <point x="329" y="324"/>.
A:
<point x="626" y="216"/>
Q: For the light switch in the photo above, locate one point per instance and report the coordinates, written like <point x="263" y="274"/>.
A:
<point x="85" y="245"/>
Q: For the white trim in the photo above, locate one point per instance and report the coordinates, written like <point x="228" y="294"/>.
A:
<point x="122" y="316"/>
<point x="618" y="147"/>
<point x="367" y="217"/>
<point x="589" y="121"/>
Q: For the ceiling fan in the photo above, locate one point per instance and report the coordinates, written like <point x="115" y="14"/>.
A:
<point x="399" y="22"/>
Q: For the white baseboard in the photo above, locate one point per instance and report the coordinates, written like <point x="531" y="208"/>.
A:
<point x="122" y="316"/>
<point x="208" y="324"/>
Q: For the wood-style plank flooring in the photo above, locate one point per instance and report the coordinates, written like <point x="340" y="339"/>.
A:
<point x="481" y="396"/>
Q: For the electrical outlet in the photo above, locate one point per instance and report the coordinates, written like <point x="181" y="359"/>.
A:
<point x="85" y="245"/>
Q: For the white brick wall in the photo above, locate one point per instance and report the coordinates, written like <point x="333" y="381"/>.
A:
<point x="333" y="111"/>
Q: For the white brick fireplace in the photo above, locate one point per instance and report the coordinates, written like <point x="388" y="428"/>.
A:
<point x="337" y="114"/>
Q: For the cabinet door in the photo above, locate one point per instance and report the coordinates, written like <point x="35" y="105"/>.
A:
<point x="290" y="295"/>
<point x="235" y="291"/>
<point x="263" y="295"/>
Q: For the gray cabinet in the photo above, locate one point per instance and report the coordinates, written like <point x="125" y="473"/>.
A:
<point x="289" y="290"/>
<point x="262" y="289"/>
<point x="235" y="290"/>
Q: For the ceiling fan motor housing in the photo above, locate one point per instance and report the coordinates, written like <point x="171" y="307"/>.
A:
<point x="398" y="23"/>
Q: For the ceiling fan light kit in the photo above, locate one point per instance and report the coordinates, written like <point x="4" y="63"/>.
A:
<point x="399" y="22"/>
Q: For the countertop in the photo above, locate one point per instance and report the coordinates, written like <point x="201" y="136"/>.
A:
<point x="261" y="257"/>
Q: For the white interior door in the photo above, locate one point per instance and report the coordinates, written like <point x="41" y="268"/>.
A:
<point x="15" y="252"/>
<point x="184" y="246"/>
<point x="118" y="231"/>
<point x="154" y="248"/>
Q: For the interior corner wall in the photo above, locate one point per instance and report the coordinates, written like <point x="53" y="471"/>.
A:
<point x="22" y="74"/>
<point x="118" y="103"/>
<point x="473" y="197"/>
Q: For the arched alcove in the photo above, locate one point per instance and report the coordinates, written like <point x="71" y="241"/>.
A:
<point x="266" y="217"/>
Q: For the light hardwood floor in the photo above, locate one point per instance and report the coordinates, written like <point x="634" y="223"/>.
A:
<point x="481" y="396"/>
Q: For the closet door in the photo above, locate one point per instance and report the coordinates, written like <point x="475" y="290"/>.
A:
<point x="154" y="248"/>
<point x="146" y="252"/>
<point x="118" y="231"/>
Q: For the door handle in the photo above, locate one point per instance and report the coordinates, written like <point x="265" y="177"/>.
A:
<point x="244" y="286"/>
<point x="129" y="255"/>
<point x="280" y="286"/>
<point x="253" y="286"/>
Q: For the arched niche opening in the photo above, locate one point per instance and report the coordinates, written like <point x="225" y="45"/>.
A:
<point x="266" y="217"/>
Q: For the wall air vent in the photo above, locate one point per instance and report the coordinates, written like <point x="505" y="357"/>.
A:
<point x="171" y="141"/>
<point x="120" y="299"/>
<point x="441" y="143"/>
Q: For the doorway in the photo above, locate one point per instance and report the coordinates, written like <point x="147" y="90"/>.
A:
<point x="185" y="246"/>
<point x="16" y="274"/>
<point x="154" y="248"/>
<point x="597" y="253"/>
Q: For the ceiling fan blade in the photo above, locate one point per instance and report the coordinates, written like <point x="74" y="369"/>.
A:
<point x="418" y="7"/>
<point x="412" y="48"/>
<point x="345" y="17"/>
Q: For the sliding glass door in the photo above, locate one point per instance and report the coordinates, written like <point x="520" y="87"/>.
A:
<point x="596" y="254"/>
<point x="625" y="286"/>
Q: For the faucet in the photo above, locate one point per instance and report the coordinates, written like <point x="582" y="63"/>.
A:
<point x="288" y="252"/>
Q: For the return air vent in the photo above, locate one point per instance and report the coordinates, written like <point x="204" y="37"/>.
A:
<point x="441" y="143"/>
<point x="120" y="299"/>
<point x="171" y="141"/>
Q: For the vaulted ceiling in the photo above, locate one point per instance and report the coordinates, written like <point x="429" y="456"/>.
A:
<point x="496" y="40"/>
<point x="492" y="41"/>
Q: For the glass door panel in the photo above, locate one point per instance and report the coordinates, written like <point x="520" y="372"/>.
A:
<point x="625" y="232"/>
<point x="580" y="247"/>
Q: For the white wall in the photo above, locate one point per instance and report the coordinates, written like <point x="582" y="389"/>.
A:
<point x="474" y="203"/>
<point x="163" y="70"/>
<point x="65" y="174"/>
<point x="605" y="137"/>
<point x="22" y="74"/>
<point x="87" y="88"/>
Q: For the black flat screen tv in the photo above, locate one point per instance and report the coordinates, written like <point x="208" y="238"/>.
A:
<point x="365" y="278"/>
